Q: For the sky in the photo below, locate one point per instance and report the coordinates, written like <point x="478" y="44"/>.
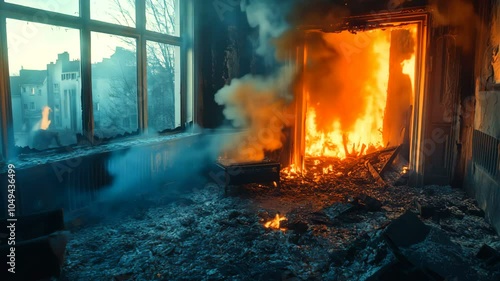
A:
<point x="34" y="45"/>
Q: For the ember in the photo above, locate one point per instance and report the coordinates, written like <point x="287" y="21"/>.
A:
<point x="276" y="222"/>
<point x="290" y="172"/>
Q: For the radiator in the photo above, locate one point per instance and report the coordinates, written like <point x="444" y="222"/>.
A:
<point x="73" y="184"/>
<point x="486" y="153"/>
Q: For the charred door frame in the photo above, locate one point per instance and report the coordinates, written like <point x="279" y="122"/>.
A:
<point x="421" y="18"/>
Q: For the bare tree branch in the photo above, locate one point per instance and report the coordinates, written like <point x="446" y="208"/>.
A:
<point x="160" y="61"/>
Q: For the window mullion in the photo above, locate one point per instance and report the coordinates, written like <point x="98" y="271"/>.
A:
<point x="86" y="73"/>
<point x="162" y="38"/>
<point x="19" y="12"/>
<point x="183" y="6"/>
<point x="142" y="97"/>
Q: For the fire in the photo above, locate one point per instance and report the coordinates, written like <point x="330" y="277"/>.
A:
<point x="275" y="223"/>
<point x="410" y="64"/>
<point x="290" y="172"/>
<point x="45" y="122"/>
<point x="346" y="86"/>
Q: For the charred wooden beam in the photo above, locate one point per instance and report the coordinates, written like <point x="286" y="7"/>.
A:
<point x="389" y="161"/>
<point x="375" y="174"/>
<point x="344" y="143"/>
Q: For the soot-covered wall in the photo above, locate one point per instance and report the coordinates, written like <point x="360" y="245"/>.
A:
<point x="226" y="45"/>
<point x="483" y="117"/>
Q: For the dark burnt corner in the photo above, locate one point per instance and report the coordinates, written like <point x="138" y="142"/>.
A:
<point x="250" y="140"/>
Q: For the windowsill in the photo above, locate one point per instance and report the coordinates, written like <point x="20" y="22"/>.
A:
<point x="25" y="161"/>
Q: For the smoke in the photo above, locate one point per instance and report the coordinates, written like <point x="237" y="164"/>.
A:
<point x="269" y="18"/>
<point x="255" y="104"/>
<point x="280" y="22"/>
<point x="181" y="162"/>
<point x="459" y="15"/>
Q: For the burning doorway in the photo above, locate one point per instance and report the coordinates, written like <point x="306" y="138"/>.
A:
<point x="361" y="102"/>
<point x="362" y="89"/>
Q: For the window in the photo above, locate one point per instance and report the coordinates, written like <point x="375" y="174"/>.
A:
<point x="163" y="86"/>
<point x="118" y="12"/>
<point x="69" y="7"/>
<point x="44" y="60"/>
<point x="163" y="16"/>
<point x="114" y="82"/>
<point x="39" y="63"/>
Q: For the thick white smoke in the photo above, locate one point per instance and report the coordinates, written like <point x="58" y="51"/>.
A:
<point x="269" y="18"/>
<point x="256" y="104"/>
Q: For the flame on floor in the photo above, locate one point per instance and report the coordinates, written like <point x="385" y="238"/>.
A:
<point x="275" y="223"/>
<point x="290" y="172"/>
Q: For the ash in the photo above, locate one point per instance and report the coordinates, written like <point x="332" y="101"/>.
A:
<point x="337" y="228"/>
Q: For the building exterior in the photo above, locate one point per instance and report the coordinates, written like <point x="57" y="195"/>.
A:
<point x="29" y="96"/>
<point x="59" y="87"/>
<point x="64" y="93"/>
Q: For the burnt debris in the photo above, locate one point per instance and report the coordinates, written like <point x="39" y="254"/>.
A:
<point x="335" y="223"/>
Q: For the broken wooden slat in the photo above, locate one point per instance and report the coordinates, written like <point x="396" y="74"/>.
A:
<point x="344" y="143"/>
<point x="387" y="164"/>
<point x="375" y="174"/>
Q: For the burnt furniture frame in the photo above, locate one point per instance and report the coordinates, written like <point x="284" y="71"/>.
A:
<point x="251" y="172"/>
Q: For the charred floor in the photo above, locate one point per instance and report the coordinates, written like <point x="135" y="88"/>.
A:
<point x="338" y="223"/>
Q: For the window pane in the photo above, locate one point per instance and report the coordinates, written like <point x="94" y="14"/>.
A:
<point x="163" y="16"/>
<point x="163" y="86"/>
<point x="69" y="7"/>
<point x="46" y="109"/>
<point x="114" y="84"/>
<point x="120" y="12"/>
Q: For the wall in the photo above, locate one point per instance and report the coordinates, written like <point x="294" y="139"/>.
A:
<point x="483" y="118"/>
<point x="227" y="51"/>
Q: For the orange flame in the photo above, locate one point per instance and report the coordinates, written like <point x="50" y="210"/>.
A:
<point x="45" y="122"/>
<point x="346" y="91"/>
<point x="275" y="223"/>
<point x="290" y="172"/>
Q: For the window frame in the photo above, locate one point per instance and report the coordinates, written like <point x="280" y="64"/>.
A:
<point x="86" y="26"/>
